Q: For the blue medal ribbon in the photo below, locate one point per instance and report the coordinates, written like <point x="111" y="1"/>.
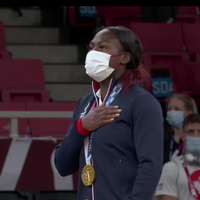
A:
<point x="116" y="90"/>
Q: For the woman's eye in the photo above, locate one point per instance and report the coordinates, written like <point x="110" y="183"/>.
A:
<point x="102" y="47"/>
<point x="190" y="132"/>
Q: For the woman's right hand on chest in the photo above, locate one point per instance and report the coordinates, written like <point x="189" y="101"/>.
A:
<point x="100" y="116"/>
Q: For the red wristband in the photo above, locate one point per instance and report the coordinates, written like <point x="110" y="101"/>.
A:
<point x="80" y="129"/>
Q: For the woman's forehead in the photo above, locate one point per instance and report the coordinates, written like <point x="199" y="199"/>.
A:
<point x="176" y="101"/>
<point x="107" y="36"/>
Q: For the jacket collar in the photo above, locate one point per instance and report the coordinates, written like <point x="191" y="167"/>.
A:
<point x="96" y="86"/>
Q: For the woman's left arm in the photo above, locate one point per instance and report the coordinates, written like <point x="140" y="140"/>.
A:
<point x="148" y="140"/>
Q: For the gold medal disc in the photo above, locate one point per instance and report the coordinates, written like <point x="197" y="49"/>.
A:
<point x="88" y="175"/>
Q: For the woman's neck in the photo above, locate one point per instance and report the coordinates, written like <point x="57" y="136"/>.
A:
<point x="178" y="133"/>
<point x="105" y="83"/>
<point x="104" y="87"/>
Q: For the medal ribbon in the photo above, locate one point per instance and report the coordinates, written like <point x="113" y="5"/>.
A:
<point x="88" y="140"/>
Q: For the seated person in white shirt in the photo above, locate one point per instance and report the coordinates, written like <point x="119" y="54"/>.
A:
<point x="180" y="179"/>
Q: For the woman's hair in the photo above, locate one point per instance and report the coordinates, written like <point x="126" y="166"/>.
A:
<point x="188" y="101"/>
<point x="192" y="118"/>
<point x="130" y="43"/>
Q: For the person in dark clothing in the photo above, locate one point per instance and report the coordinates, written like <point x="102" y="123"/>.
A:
<point x="178" y="106"/>
<point x="17" y="9"/>
<point x="159" y="14"/>
<point x="115" y="139"/>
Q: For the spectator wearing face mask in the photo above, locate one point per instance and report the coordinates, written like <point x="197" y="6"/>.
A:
<point x="180" y="179"/>
<point x="178" y="106"/>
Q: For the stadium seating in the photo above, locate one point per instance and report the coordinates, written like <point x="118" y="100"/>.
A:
<point x="24" y="95"/>
<point x="50" y="127"/>
<point x="191" y="34"/>
<point x="124" y="16"/>
<point x="161" y="68"/>
<point x="21" y="74"/>
<point x="119" y="15"/>
<point x="159" y="36"/>
<point x="4" y="54"/>
<point x="2" y="37"/>
<point x="185" y="78"/>
<point x="4" y="123"/>
<point x="184" y="18"/>
<point x="154" y="58"/>
<point x="121" y="19"/>
<point x="159" y="63"/>
<point x="73" y="16"/>
<point x="102" y="10"/>
<point x="21" y="79"/>
<point x="187" y="10"/>
<point x="162" y="45"/>
<point x="197" y="56"/>
<point x="187" y="14"/>
<point x="75" y="20"/>
<point x="22" y="85"/>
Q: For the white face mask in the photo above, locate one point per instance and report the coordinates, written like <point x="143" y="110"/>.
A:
<point x="193" y="145"/>
<point x="175" y="118"/>
<point x="97" y="65"/>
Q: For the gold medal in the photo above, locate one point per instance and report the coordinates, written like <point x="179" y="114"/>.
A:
<point x="88" y="175"/>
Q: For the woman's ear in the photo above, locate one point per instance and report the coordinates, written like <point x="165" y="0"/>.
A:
<point x="125" y="58"/>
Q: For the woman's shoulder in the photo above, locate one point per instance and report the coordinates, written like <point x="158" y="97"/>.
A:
<point x="85" y="98"/>
<point x="144" y="103"/>
<point x="141" y="96"/>
<point x="84" y="101"/>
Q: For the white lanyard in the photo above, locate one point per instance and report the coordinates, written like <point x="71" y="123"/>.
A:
<point x="89" y="139"/>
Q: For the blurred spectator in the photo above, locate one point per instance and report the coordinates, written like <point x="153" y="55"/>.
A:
<point x="52" y="16"/>
<point x="159" y="13"/>
<point x="180" y="177"/>
<point x="17" y="9"/>
<point x="97" y="24"/>
<point x="178" y="106"/>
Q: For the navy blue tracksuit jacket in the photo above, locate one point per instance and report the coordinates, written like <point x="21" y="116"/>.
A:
<point x="127" y="153"/>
